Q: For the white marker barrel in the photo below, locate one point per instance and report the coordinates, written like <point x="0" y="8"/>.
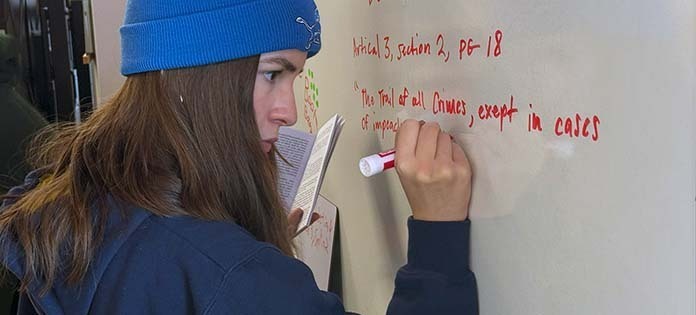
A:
<point x="376" y="163"/>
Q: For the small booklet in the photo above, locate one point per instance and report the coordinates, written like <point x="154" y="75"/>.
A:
<point x="303" y="163"/>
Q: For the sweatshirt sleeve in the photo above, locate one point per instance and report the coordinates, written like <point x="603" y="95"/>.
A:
<point x="436" y="278"/>
<point x="270" y="282"/>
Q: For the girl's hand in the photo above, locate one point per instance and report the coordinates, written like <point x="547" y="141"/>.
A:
<point x="434" y="172"/>
<point x="294" y="218"/>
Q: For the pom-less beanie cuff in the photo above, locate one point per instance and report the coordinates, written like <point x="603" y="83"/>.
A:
<point x="199" y="37"/>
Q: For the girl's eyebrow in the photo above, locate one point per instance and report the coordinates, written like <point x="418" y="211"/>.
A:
<point x="287" y="65"/>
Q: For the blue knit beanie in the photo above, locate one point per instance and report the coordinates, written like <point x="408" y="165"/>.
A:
<point x="169" y="34"/>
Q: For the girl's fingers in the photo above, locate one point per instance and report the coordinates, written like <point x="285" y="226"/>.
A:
<point x="427" y="141"/>
<point x="315" y="217"/>
<point x="444" y="148"/>
<point x="459" y="156"/>
<point x="407" y="139"/>
<point x="294" y="218"/>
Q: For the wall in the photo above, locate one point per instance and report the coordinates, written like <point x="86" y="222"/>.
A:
<point x="107" y="17"/>
<point x="584" y="193"/>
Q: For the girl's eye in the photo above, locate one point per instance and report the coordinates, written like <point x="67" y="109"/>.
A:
<point x="271" y="75"/>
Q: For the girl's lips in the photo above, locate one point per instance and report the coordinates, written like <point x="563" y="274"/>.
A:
<point x="266" y="145"/>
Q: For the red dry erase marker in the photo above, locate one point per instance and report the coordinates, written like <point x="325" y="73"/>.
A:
<point x="380" y="162"/>
<point x="377" y="163"/>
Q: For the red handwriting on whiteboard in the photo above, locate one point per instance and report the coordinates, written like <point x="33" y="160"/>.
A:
<point x="366" y="46"/>
<point x="448" y="105"/>
<point x="499" y="112"/>
<point x="578" y="127"/>
<point x="533" y="121"/>
<point x="386" y="97"/>
<point x="416" y="100"/>
<point x="386" y="125"/>
<point x="469" y="46"/>
<point x="415" y="47"/>
<point x="399" y="48"/>
<point x="442" y="102"/>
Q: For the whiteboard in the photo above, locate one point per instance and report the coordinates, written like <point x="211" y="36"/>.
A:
<point x="584" y="191"/>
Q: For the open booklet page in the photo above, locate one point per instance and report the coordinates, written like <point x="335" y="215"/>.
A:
<point x="314" y="172"/>
<point x="295" y="147"/>
<point x="315" y="245"/>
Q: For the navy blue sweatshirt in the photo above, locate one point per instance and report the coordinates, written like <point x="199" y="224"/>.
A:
<point x="156" y="265"/>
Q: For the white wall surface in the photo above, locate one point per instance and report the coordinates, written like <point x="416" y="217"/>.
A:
<point x="561" y="225"/>
<point x="107" y="17"/>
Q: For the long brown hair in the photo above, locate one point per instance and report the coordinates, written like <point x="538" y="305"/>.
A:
<point x="177" y="142"/>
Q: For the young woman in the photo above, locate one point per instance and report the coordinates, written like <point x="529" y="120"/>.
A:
<point x="151" y="206"/>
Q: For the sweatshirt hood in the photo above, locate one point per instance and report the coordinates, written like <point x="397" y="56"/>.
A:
<point x="63" y="298"/>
